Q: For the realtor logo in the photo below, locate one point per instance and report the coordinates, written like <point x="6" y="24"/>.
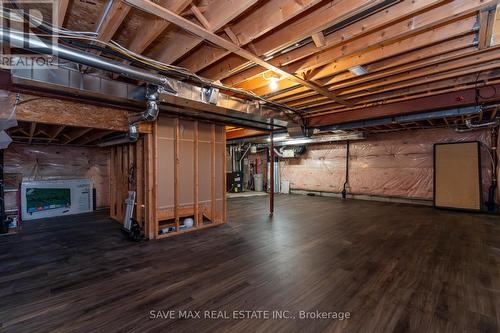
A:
<point x="29" y="29"/>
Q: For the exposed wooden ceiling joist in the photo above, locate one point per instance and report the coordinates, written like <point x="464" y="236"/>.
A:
<point x="62" y="8"/>
<point x="381" y="39"/>
<point x="154" y="26"/>
<point x="446" y="100"/>
<point x="319" y="20"/>
<point x="75" y="134"/>
<point x="218" y="14"/>
<point x="266" y="17"/>
<point x="153" y="8"/>
<point x="429" y="55"/>
<point x="112" y="20"/>
<point x="464" y="62"/>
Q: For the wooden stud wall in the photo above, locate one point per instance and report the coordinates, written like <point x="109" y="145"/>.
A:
<point x="191" y="174"/>
<point x="136" y="159"/>
<point x="179" y="173"/>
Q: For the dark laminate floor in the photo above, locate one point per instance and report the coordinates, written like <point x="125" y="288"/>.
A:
<point x="396" y="268"/>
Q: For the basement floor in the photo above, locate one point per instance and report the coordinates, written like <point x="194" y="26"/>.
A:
<point x="394" y="267"/>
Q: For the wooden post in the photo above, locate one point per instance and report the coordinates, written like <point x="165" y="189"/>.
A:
<point x="271" y="173"/>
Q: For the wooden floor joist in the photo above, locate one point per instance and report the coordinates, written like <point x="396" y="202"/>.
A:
<point x="203" y="33"/>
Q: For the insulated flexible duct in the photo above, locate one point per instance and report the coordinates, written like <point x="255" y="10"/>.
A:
<point x="17" y="39"/>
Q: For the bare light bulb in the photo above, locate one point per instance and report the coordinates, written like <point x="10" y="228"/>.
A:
<point x="273" y="84"/>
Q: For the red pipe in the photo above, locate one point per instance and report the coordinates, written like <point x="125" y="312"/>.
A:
<point x="271" y="174"/>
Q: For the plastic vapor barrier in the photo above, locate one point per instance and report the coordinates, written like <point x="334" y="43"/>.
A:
<point x="37" y="162"/>
<point x="7" y="116"/>
<point x="398" y="164"/>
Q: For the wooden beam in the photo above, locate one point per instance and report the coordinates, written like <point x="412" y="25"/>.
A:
<point x="112" y="21"/>
<point x="176" y="173"/>
<point x="381" y="51"/>
<point x="153" y="8"/>
<point x="232" y="36"/>
<point x="218" y="14"/>
<point x="472" y="62"/>
<point x="94" y="136"/>
<point x="62" y="8"/>
<point x="496" y="27"/>
<point x="55" y="132"/>
<point x="397" y="99"/>
<point x="244" y="133"/>
<point x="264" y="18"/>
<point x="152" y="27"/>
<point x="32" y="132"/>
<point x="486" y="25"/>
<point x="391" y="35"/>
<point x="394" y="65"/>
<point x="196" y="194"/>
<point x="68" y="113"/>
<point x="442" y="101"/>
<point x="431" y="83"/>
<point x="202" y="19"/>
<point x="213" y="173"/>
<point x="324" y="16"/>
<point x="75" y="134"/>
<point x="319" y="39"/>
<point x="421" y="23"/>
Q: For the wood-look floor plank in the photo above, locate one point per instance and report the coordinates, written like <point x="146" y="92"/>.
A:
<point x="395" y="268"/>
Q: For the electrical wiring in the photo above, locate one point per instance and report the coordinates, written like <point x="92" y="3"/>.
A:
<point x="75" y="38"/>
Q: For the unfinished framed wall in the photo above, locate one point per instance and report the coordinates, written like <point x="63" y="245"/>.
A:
<point x="190" y="175"/>
<point x="130" y="171"/>
<point x="178" y="171"/>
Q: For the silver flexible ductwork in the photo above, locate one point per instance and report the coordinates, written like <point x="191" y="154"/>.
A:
<point x="17" y="39"/>
<point x="130" y="137"/>
<point x="149" y="115"/>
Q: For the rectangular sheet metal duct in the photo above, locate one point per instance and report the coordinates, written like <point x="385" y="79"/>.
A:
<point x="186" y="102"/>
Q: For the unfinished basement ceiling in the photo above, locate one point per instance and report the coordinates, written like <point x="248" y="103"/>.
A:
<point x="404" y="50"/>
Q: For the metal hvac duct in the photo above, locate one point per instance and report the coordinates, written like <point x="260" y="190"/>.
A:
<point x="18" y="39"/>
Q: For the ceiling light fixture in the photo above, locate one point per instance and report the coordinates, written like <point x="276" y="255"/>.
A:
<point x="358" y="70"/>
<point x="273" y="83"/>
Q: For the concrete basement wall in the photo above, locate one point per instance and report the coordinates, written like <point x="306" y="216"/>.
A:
<point x="59" y="162"/>
<point x="398" y="165"/>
